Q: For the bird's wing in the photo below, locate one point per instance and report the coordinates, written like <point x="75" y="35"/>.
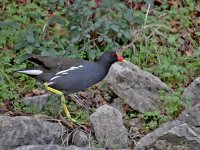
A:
<point x="57" y="63"/>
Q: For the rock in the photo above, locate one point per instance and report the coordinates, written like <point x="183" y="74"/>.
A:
<point x="136" y="122"/>
<point x="161" y="145"/>
<point x="44" y="102"/>
<point x="191" y="94"/>
<point x="191" y="116"/>
<point x="41" y="147"/>
<point x="174" y="134"/>
<point x="54" y="147"/>
<point x="108" y="127"/>
<point x="22" y="130"/>
<point x="140" y="88"/>
<point x="80" y="139"/>
<point x="118" y="104"/>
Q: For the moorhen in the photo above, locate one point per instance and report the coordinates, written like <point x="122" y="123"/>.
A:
<point x="70" y="75"/>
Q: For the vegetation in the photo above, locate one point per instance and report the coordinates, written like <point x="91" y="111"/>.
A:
<point x="163" y="40"/>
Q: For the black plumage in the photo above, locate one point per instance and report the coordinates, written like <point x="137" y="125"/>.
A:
<point x="71" y="75"/>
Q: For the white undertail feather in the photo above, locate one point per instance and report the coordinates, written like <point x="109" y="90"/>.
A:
<point x="31" y="72"/>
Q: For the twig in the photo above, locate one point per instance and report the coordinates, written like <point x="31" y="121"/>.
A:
<point x="145" y="20"/>
<point x="44" y="29"/>
<point x="65" y="122"/>
<point x="158" y="56"/>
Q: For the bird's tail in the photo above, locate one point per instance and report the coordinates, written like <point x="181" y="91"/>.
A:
<point x="31" y="72"/>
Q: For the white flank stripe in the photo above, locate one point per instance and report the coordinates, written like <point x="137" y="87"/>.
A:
<point x="54" y="78"/>
<point x="31" y="72"/>
<point x="71" y="68"/>
<point x="50" y="83"/>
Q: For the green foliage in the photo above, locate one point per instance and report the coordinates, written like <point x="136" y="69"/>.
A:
<point x="80" y="116"/>
<point x="10" y="82"/>
<point x="157" y="45"/>
<point x="82" y="26"/>
<point x="153" y="119"/>
<point x="20" y="106"/>
<point x="172" y="103"/>
<point x="172" y="108"/>
<point x="104" y="25"/>
<point x="102" y="143"/>
<point x="131" y="113"/>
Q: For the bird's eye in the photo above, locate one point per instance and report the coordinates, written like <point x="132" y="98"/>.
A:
<point x="58" y="65"/>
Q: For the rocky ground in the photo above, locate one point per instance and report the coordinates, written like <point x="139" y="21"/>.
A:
<point x="107" y="129"/>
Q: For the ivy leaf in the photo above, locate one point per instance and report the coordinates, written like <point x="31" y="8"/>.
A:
<point x="61" y="2"/>
<point x="115" y="28"/>
<point x="138" y="20"/>
<point x="75" y="39"/>
<point x="20" y="44"/>
<point x="100" y="39"/>
<point x="30" y="38"/>
<point x="149" y="2"/>
<point x="57" y="19"/>
<point x="127" y="35"/>
<point x="88" y="36"/>
<point x="88" y="13"/>
<point x="48" y="52"/>
<point x="119" y="34"/>
<point x="128" y="15"/>
<point x="73" y="27"/>
<point x="92" y="54"/>
<point x="107" y="39"/>
<point x="52" y="1"/>
<point x="29" y="49"/>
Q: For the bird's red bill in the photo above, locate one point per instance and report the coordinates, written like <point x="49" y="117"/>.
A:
<point x="119" y="57"/>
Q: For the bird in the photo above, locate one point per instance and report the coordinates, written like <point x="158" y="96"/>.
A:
<point x="69" y="75"/>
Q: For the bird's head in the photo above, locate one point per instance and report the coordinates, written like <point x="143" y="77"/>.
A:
<point x="111" y="57"/>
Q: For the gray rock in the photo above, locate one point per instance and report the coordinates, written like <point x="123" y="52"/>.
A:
<point x="191" y="116"/>
<point x="42" y="147"/>
<point x="54" y="147"/>
<point x="160" y="144"/>
<point x="191" y="94"/>
<point x="136" y="122"/>
<point x="175" y="133"/>
<point x="108" y="127"/>
<point x="22" y="130"/>
<point x="44" y="102"/>
<point x="80" y="139"/>
<point x="138" y="87"/>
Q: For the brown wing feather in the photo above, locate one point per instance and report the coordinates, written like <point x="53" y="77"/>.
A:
<point x="55" y="62"/>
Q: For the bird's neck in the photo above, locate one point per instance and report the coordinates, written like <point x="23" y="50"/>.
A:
<point x="104" y="65"/>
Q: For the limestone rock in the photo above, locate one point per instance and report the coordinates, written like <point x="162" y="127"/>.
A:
<point x="54" y="147"/>
<point x="139" y="88"/>
<point x="173" y="134"/>
<point x="191" y="116"/>
<point x="44" y="102"/>
<point x="191" y="95"/>
<point x="108" y="127"/>
<point x="22" y="130"/>
<point x="80" y="139"/>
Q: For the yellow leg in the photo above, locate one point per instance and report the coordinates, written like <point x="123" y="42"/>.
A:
<point x="64" y="107"/>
